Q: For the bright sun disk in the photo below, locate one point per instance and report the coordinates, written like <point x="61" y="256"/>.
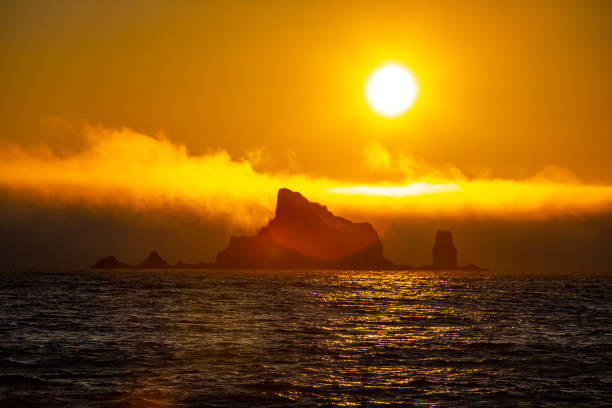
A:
<point x="391" y="90"/>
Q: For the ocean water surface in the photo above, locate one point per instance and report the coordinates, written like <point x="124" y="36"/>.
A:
<point x="304" y="338"/>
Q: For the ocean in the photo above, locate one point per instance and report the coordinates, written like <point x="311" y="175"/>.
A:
<point x="304" y="338"/>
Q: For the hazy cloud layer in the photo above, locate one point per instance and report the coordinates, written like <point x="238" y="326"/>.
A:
<point x="123" y="168"/>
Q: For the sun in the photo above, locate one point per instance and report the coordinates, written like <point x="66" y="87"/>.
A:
<point x="391" y="90"/>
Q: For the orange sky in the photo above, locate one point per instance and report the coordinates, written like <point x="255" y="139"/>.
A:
<point x="212" y="107"/>
<point x="506" y="89"/>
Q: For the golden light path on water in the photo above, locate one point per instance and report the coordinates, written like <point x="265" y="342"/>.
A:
<point x="342" y="337"/>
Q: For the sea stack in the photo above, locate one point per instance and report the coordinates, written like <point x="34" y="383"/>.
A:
<point x="444" y="252"/>
<point x="304" y="234"/>
<point x="154" y="261"/>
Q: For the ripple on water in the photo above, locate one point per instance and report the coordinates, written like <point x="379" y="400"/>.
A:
<point x="305" y="338"/>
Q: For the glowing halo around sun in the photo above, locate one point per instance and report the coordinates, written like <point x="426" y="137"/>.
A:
<point x="391" y="90"/>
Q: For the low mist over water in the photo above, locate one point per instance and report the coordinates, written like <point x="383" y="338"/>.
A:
<point x="304" y="338"/>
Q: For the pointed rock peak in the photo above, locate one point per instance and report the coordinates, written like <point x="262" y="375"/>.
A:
<point x="154" y="255"/>
<point x="153" y="261"/>
<point x="289" y="203"/>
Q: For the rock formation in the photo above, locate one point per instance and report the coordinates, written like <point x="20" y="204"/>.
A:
<point x="444" y="252"/>
<point x="154" y="261"/>
<point x="110" y="262"/>
<point x="304" y="234"/>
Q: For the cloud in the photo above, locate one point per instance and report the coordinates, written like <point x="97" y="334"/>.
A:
<point x="377" y="156"/>
<point x="400" y="166"/>
<point x="120" y="168"/>
<point x="555" y="174"/>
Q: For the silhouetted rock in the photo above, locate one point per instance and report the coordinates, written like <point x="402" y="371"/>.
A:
<point x="154" y="261"/>
<point x="445" y="255"/>
<point x="444" y="252"/>
<point x="110" y="262"/>
<point x="304" y="234"/>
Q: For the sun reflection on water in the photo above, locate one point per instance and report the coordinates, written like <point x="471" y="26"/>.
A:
<point x="274" y="338"/>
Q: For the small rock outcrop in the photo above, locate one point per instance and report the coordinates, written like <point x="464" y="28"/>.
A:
<point x="304" y="234"/>
<point x="110" y="262"/>
<point x="444" y="252"/>
<point x="154" y="261"/>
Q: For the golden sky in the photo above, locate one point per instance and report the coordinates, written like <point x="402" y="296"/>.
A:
<point x="506" y="89"/>
<point x="213" y="106"/>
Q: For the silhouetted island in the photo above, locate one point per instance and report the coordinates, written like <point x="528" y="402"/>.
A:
<point x="305" y="235"/>
<point x="444" y="251"/>
<point x="110" y="262"/>
<point x="154" y="261"/>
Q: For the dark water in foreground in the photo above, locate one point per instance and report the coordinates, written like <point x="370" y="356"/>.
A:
<point x="222" y="338"/>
